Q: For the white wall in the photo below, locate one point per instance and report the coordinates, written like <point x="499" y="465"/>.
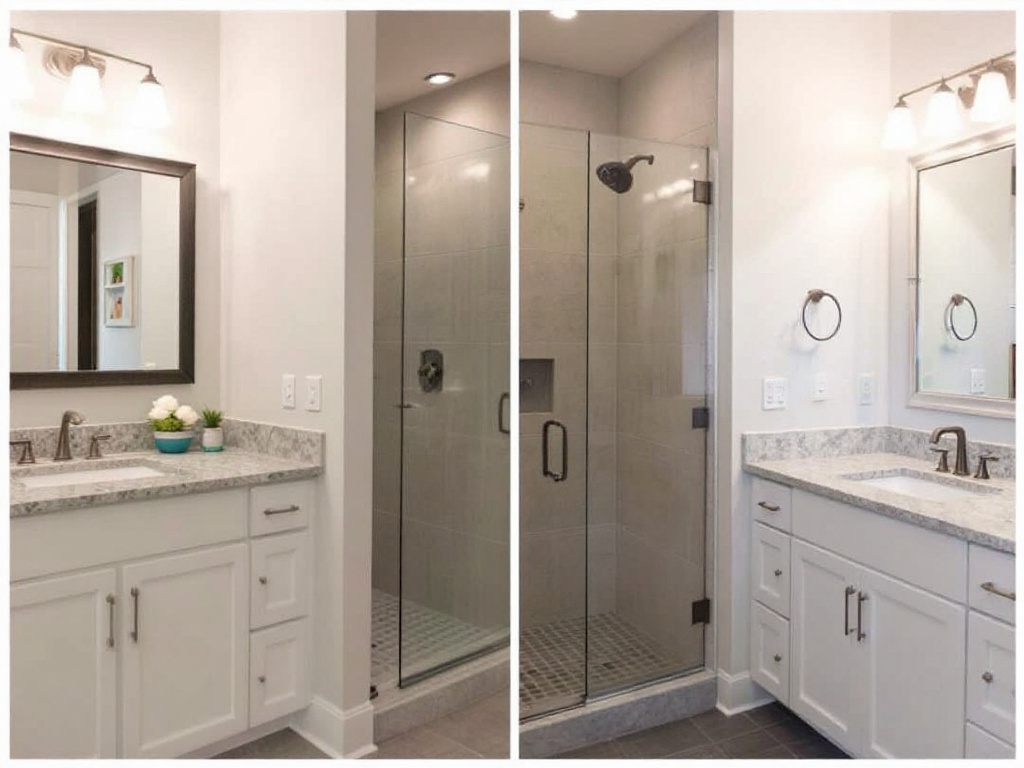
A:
<point x="118" y="234"/>
<point x="183" y="48"/>
<point x="157" y="274"/>
<point x="565" y="98"/>
<point x="800" y="128"/>
<point x="924" y="46"/>
<point x="298" y="269"/>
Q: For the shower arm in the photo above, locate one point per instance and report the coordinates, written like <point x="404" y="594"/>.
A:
<point x="636" y="159"/>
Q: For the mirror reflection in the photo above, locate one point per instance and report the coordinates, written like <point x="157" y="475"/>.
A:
<point x="94" y="267"/>
<point x="966" y="273"/>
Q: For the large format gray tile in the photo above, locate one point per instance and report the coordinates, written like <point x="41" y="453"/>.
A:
<point x="423" y="744"/>
<point x="719" y="727"/>
<point x="663" y="740"/>
<point x="282" y="745"/>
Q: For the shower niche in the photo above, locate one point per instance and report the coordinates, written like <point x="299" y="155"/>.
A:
<point x="536" y="385"/>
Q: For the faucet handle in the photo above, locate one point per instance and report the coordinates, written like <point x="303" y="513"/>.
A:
<point x="943" y="459"/>
<point x="983" y="460"/>
<point x="94" y="446"/>
<point x="27" y="456"/>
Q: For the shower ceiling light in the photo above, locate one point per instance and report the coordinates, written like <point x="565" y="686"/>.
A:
<point x="992" y="102"/>
<point x="564" y="14"/>
<point x="943" y="116"/>
<point x="440" y="78"/>
<point x="17" y="71"/>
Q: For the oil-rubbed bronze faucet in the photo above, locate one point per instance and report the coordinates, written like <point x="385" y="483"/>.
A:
<point x="63" y="440"/>
<point x="960" y="467"/>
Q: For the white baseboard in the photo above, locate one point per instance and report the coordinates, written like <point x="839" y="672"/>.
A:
<point x="738" y="693"/>
<point x="338" y="733"/>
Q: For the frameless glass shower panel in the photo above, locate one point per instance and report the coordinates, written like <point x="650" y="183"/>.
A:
<point x="647" y="363"/>
<point x="454" y="405"/>
<point x="553" y="396"/>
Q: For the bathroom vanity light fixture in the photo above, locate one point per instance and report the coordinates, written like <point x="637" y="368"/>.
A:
<point x="564" y="14"/>
<point x="440" y="78"/>
<point x="17" y="71"/>
<point x="84" y="68"/>
<point x="988" y="94"/>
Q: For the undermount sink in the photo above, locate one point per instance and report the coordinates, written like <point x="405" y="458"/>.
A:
<point x="909" y="482"/>
<point x="89" y="476"/>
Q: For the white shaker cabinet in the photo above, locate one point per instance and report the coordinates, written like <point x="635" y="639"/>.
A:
<point x="64" y="667"/>
<point x="185" y="638"/>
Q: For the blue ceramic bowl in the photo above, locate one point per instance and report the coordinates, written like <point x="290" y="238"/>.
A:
<point x="172" y="442"/>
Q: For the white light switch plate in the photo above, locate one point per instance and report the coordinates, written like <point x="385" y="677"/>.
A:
<point x="773" y="393"/>
<point x="977" y="381"/>
<point x="314" y="393"/>
<point x="288" y="390"/>
<point x="866" y="389"/>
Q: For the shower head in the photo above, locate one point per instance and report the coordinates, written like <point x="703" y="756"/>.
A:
<point x="617" y="175"/>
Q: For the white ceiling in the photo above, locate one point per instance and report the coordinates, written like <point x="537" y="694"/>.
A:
<point x="611" y="43"/>
<point x="412" y="44"/>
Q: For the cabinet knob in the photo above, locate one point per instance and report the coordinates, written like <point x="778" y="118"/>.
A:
<point x="778" y="571"/>
<point x="778" y="657"/>
<point x="987" y="677"/>
<point x="262" y="678"/>
<point x="263" y="579"/>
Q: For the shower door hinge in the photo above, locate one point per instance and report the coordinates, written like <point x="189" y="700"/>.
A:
<point x="702" y="191"/>
<point x="702" y="611"/>
<point x="701" y="417"/>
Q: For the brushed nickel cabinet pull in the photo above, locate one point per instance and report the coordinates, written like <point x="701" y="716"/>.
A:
<point x="263" y="579"/>
<point x="987" y="677"/>
<point x="861" y="597"/>
<point x="110" y="632"/>
<point x="769" y="506"/>
<point x="778" y="657"/>
<point x="778" y="571"/>
<point x="135" y="615"/>
<point x="989" y="586"/>
<point x="846" y="610"/>
<point x="281" y="511"/>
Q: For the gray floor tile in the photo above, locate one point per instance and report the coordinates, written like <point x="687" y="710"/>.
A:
<point x="771" y="714"/>
<point x="748" y="745"/>
<point x="663" y="740"/>
<point x="707" y="751"/>
<point x="483" y="728"/>
<point x="718" y="727"/>
<point x="282" y="745"/>
<point x="423" y="744"/>
<point x="793" y="730"/>
<point x="817" y="748"/>
<point x="608" y="750"/>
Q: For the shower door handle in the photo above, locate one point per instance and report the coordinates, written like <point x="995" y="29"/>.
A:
<point x="501" y="414"/>
<point x="556" y="476"/>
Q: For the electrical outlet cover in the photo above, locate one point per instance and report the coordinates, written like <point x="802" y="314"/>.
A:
<point x="977" y="381"/>
<point x="288" y="391"/>
<point x="866" y="389"/>
<point x="314" y="393"/>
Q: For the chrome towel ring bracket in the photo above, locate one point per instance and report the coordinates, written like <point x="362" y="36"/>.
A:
<point x="956" y="300"/>
<point x="814" y="297"/>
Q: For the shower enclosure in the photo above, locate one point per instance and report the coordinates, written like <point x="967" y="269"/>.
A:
<point x="441" y="453"/>
<point x="613" y="409"/>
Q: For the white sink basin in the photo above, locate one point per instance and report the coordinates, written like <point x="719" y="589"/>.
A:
<point x="89" y="476"/>
<point x="922" y="487"/>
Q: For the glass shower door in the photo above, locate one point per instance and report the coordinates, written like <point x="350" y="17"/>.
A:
<point x="454" y="559"/>
<point x="647" y="375"/>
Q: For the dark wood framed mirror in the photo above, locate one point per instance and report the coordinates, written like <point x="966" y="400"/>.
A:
<point x="102" y="267"/>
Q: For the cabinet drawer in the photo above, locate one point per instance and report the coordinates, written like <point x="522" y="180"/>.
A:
<point x="278" y="671"/>
<point x="982" y="745"/>
<point x="279" y="579"/>
<point x="771" y="568"/>
<point x="994" y="570"/>
<point x="771" y="503"/>
<point x="991" y="667"/>
<point x="277" y="508"/>
<point x="769" y="651"/>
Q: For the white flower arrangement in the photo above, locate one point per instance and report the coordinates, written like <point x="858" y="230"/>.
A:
<point x="167" y="415"/>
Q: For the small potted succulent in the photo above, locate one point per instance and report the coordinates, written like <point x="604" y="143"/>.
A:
<point x="172" y="425"/>
<point x="213" y="433"/>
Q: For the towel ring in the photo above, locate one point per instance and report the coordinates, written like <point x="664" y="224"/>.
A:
<point x="955" y="301"/>
<point x="813" y="297"/>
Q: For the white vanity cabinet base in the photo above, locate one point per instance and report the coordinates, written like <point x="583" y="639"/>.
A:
<point x="279" y="578"/>
<point x="770" y="652"/>
<point x="279" y="680"/>
<point x="63" y="672"/>
<point x="771" y="568"/>
<point x="984" y="746"/>
<point x="991" y="676"/>
<point x="184" y="680"/>
<point x="996" y="571"/>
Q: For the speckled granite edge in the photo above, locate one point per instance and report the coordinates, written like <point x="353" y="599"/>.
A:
<point x="847" y="441"/>
<point x="305" y="445"/>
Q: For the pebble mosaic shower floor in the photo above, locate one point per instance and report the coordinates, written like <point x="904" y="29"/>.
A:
<point x="552" y="658"/>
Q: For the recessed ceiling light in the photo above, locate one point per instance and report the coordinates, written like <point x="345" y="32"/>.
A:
<point x="564" y="14"/>
<point x="440" y="78"/>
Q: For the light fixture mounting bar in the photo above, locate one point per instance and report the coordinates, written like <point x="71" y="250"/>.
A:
<point x="80" y="47"/>
<point x="961" y="73"/>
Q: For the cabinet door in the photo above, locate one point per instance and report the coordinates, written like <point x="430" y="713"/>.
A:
<point x="770" y="570"/>
<point x="823" y="668"/>
<point x="278" y="671"/>
<point x="184" y="672"/>
<point x="280" y="579"/>
<point x="991" y="676"/>
<point x="63" y="669"/>
<point x="912" y="671"/>
<point x="769" y="652"/>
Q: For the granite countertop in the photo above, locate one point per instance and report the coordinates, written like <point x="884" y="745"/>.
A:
<point x="192" y="472"/>
<point x="988" y="519"/>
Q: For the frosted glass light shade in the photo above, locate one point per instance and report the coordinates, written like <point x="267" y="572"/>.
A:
<point x="992" y="99"/>
<point x="17" y="72"/>
<point x="85" y="94"/>
<point x="150" y="104"/>
<point x="943" y="116"/>
<point x="899" y="128"/>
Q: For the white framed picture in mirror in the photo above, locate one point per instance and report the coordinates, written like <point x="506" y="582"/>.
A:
<point x="963" y="201"/>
